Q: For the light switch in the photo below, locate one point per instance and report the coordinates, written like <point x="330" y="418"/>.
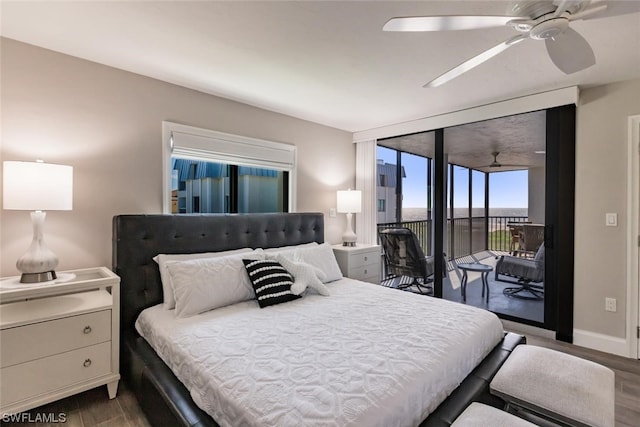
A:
<point x="332" y="212"/>
<point x="611" y="219"/>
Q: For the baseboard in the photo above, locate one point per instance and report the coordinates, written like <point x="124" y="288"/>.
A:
<point x="521" y="328"/>
<point x="588" y="339"/>
<point x="601" y="342"/>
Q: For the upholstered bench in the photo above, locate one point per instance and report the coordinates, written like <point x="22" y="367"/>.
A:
<point x="481" y="415"/>
<point x="557" y="386"/>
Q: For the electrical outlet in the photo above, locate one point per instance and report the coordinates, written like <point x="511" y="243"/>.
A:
<point x="332" y="212"/>
<point x="610" y="304"/>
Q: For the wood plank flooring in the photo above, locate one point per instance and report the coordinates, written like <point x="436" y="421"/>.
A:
<point x="93" y="407"/>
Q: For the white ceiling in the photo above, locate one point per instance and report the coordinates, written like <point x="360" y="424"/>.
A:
<point x="327" y="62"/>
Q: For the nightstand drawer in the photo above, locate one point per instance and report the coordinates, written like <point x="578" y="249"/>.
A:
<point x="55" y="372"/>
<point x="364" y="272"/>
<point x="38" y="340"/>
<point x="362" y="259"/>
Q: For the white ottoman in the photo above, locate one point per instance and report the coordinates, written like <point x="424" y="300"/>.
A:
<point x="559" y="386"/>
<point x="481" y="415"/>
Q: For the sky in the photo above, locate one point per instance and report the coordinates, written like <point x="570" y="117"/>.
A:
<point x="506" y="189"/>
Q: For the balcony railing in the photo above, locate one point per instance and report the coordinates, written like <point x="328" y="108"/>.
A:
<point x="465" y="236"/>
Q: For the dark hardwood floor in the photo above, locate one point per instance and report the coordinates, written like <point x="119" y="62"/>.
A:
<point x="93" y="407"/>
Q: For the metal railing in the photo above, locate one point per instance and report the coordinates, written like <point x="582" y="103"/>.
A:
<point x="465" y="236"/>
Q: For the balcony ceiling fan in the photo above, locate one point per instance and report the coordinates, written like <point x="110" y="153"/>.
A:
<point x="497" y="164"/>
<point x="537" y="20"/>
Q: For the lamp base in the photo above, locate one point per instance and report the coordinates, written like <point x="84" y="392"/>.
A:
<point x="47" y="276"/>
<point x="37" y="265"/>
<point x="349" y="237"/>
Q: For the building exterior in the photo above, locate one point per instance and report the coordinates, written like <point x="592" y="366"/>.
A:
<point x="386" y="200"/>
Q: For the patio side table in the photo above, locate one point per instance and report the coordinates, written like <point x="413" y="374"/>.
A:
<point x="484" y="271"/>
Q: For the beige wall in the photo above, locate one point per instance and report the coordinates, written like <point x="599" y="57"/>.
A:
<point x="106" y="123"/>
<point x="601" y="171"/>
<point x="536" y="195"/>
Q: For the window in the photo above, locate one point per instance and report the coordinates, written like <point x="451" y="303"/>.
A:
<point x="207" y="187"/>
<point x="211" y="172"/>
<point x="382" y="205"/>
<point x="383" y="180"/>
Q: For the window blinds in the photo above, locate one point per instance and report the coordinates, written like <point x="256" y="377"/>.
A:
<point x="233" y="149"/>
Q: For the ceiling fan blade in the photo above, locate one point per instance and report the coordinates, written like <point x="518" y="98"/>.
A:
<point x="564" y="5"/>
<point x="585" y="13"/>
<point x="475" y="61"/>
<point x="570" y="52"/>
<point x="445" y="23"/>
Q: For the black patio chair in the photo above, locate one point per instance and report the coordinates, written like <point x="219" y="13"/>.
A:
<point x="528" y="275"/>
<point x="404" y="257"/>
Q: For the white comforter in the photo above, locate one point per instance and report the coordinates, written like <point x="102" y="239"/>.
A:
<point x="364" y="356"/>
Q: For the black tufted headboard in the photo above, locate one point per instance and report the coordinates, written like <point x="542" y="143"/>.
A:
<point x="138" y="238"/>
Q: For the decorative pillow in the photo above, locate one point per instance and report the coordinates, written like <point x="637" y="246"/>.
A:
<point x="169" y="300"/>
<point x="304" y="275"/>
<point x="322" y="257"/>
<point x="293" y="256"/>
<point x="271" y="281"/>
<point x="204" y="284"/>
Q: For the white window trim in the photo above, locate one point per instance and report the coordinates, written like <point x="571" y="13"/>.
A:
<point x="199" y="143"/>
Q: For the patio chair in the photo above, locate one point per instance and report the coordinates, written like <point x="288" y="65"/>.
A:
<point x="515" y="231"/>
<point x="531" y="238"/>
<point x="529" y="275"/>
<point x="404" y="257"/>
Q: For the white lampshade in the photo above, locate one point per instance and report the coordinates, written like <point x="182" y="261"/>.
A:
<point x="349" y="201"/>
<point x="37" y="186"/>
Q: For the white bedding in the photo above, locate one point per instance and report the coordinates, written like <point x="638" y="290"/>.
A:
<point x="366" y="356"/>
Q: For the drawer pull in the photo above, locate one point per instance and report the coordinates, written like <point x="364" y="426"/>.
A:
<point x="87" y="363"/>
<point x="87" y="329"/>
<point x="366" y="258"/>
<point x="365" y="271"/>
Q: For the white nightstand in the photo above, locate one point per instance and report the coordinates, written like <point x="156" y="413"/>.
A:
<point x="58" y="338"/>
<point x="361" y="262"/>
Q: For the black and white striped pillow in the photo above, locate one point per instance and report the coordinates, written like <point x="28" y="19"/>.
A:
<point x="270" y="280"/>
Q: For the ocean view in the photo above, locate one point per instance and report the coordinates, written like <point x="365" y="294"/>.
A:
<point x="416" y="214"/>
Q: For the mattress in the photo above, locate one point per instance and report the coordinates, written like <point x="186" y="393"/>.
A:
<point x="365" y="355"/>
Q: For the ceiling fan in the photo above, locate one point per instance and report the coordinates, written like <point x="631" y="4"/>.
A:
<point x="497" y="164"/>
<point x="538" y="20"/>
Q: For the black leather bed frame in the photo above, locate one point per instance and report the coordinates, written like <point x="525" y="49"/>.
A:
<point x="138" y="238"/>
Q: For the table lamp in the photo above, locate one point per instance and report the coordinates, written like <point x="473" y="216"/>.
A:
<point x="349" y="202"/>
<point x="37" y="186"/>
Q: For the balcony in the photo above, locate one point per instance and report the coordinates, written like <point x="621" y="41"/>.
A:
<point x="470" y="240"/>
<point x="465" y="236"/>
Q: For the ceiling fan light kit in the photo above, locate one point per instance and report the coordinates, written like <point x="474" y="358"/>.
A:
<point x="549" y="28"/>
<point x="567" y="49"/>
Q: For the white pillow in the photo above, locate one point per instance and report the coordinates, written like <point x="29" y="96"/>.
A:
<point x="322" y="257"/>
<point x="169" y="300"/>
<point x="204" y="284"/>
<point x="304" y="275"/>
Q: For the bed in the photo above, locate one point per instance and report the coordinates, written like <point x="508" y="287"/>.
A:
<point x="336" y="374"/>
